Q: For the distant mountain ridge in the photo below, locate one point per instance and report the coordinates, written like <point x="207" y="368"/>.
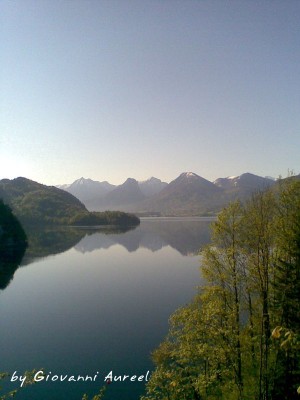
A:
<point x="247" y="180"/>
<point x="87" y="189"/>
<point x="152" y="186"/>
<point x="243" y="186"/>
<point x="98" y="196"/>
<point x="188" y="194"/>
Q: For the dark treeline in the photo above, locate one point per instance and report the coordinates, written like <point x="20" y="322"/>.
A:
<point x="13" y="243"/>
<point x="239" y="338"/>
<point x="11" y="231"/>
<point x="113" y="218"/>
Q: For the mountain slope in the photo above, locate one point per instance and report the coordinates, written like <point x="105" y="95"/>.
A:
<point x="94" y="194"/>
<point x="188" y="194"/>
<point x="128" y="193"/>
<point x="243" y="186"/>
<point x="33" y="202"/>
<point x="152" y="186"/>
<point x="86" y="189"/>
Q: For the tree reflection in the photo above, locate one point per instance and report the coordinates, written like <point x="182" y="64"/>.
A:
<point x="10" y="259"/>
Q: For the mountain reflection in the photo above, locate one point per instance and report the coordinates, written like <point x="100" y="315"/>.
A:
<point x="186" y="236"/>
<point x="49" y="241"/>
<point x="43" y="242"/>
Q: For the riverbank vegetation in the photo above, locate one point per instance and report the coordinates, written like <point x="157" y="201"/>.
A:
<point x="239" y="338"/>
<point x="112" y="218"/>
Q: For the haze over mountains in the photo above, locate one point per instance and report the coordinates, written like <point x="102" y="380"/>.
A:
<point x="188" y="194"/>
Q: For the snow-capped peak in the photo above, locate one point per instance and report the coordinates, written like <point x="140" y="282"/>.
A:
<point x="189" y="174"/>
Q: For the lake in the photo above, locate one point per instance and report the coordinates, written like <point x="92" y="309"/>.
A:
<point x="88" y="302"/>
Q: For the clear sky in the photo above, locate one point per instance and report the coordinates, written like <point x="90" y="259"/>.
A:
<point x="109" y="89"/>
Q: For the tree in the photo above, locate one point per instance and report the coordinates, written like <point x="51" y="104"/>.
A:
<point x="220" y="345"/>
<point x="287" y="291"/>
<point x="222" y="267"/>
<point x="258" y="238"/>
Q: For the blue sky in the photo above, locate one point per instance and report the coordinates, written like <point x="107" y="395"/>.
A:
<point x="115" y="89"/>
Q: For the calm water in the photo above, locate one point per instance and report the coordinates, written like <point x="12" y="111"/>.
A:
<point x="90" y="302"/>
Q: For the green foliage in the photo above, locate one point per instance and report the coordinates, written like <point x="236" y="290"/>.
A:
<point x="113" y="218"/>
<point x="287" y="291"/>
<point x="29" y="380"/>
<point x="4" y="375"/>
<point x="98" y="396"/>
<point x="220" y="345"/>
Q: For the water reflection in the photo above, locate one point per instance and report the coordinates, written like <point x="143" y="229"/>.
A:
<point x="83" y="311"/>
<point x="49" y="241"/>
<point x="43" y="242"/>
<point x="10" y="259"/>
<point x="186" y="236"/>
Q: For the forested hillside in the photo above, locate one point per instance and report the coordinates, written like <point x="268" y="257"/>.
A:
<point x="239" y="338"/>
<point x="37" y="204"/>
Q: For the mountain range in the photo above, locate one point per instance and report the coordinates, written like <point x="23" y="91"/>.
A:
<point x="100" y="196"/>
<point x="188" y="194"/>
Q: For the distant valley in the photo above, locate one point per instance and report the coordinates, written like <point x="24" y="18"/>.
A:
<point x="187" y="195"/>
